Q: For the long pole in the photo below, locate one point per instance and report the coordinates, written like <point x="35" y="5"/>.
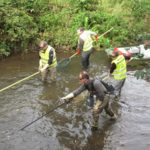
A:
<point x="44" y="115"/>
<point x="26" y="78"/>
<point x="73" y="55"/>
<point x="105" y="32"/>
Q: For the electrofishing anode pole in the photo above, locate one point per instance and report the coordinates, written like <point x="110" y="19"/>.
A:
<point x="66" y="102"/>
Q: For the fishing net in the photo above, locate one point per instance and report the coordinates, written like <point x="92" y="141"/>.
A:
<point x="63" y="63"/>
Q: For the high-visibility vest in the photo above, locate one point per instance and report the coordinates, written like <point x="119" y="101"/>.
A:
<point x="121" y="70"/>
<point x="45" y="56"/>
<point x="86" y="36"/>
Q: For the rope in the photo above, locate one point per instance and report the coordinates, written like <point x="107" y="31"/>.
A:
<point x="19" y="81"/>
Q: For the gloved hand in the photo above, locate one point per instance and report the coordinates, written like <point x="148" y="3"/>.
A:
<point x="67" y="98"/>
<point x="78" y="51"/>
<point x="63" y="100"/>
<point x="42" y="69"/>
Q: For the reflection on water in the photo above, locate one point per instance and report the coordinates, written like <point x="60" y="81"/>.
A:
<point x="68" y="127"/>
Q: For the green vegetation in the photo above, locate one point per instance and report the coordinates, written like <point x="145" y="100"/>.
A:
<point x="23" y="23"/>
<point x="143" y="74"/>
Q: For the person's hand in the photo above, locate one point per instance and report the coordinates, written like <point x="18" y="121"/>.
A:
<point x="42" y="69"/>
<point x="96" y="37"/>
<point x="67" y="98"/>
<point x="63" y="100"/>
<point x="78" y="51"/>
<point x="39" y="69"/>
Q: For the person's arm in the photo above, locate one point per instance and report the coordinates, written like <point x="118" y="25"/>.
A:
<point x="112" y="68"/>
<point x="40" y="64"/>
<point x="80" y="46"/>
<point x="94" y="35"/>
<point x="74" y="93"/>
<point x="51" y="56"/>
<point x="79" y="90"/>
<point x="100" y="89"/>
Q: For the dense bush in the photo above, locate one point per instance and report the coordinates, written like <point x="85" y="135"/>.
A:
<point x="26" y="21"/>
<point x="18" y="30"/>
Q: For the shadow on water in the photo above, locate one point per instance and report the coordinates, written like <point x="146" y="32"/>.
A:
<point x="68" y="127"/>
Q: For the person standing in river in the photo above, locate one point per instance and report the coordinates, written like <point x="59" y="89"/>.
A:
<point x="47" y="61"/>
<point x="119" y="71"/>
<point x="85" y="44"/>
<point x="95" y="87"/>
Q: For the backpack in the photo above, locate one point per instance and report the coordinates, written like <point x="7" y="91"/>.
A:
<point x="109" y="87"/>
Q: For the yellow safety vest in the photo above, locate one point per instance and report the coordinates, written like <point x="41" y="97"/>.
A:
<point x="45" y="56"/>
<point x="121" y="70"/>
<point x="88" y="41"/>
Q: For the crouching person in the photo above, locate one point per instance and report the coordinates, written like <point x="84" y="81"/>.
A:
<point x="95" y="87"/>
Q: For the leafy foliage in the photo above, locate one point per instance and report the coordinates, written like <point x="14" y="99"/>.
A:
<point x="18" y="29"/>
<point x="4" y="50"/>
<point x="139" y="8"/>
<point x="26" y="21"/>
<point x="143" y="74"/>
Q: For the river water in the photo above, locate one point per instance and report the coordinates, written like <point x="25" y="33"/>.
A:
<point x="68" y="127"/>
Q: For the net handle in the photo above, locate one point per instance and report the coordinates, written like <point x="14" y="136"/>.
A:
<point x="73" y="55"/>
<point x="105" y="32"/>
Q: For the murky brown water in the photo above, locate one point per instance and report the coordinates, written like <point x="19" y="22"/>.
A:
<point x="68" y="127"/>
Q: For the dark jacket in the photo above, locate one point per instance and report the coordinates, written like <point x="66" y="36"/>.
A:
<point x="95" y="87"/>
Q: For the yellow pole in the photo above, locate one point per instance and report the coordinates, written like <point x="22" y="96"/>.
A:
<point x="105" y="32"/>
<point x="19" y="81"/>
<point x="73" y="55"/>
<point x="103" y="35"/>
